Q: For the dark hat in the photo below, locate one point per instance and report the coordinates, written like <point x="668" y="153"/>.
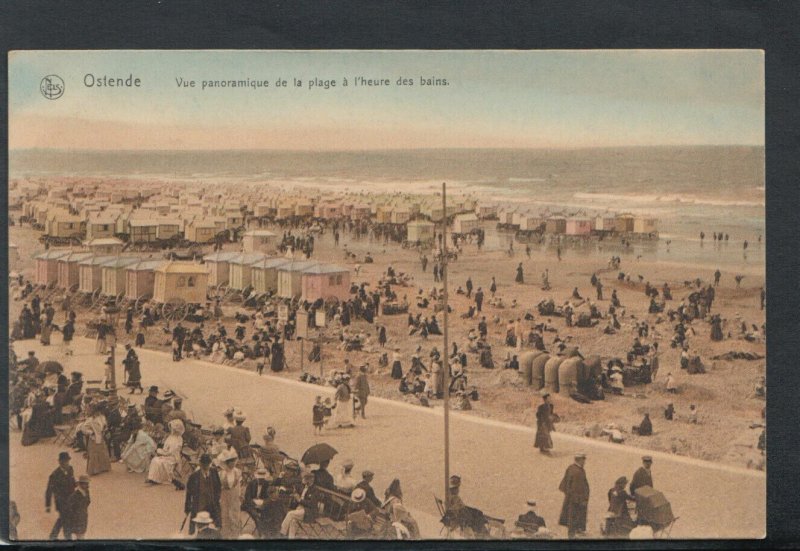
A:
<point x="455" y="481"/>
<point x="205" y="459"/>
<point x="367" y="474"/>
<point x="63" y="456"/>
<point x="621" y="481"/>
<point x="153" y="389"/>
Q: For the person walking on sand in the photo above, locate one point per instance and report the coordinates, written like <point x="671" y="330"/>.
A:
<point x="519" y="278"/>
<point x="717" y="275"/>
<point x="76" y="520"/>
<point x="545" y="418"/>
<point x="479" y="299"/>
<point x="575" y="488"/>
<point x="493" y="287"/>
<point x="361" y="389"/>
<point x="469" y="287"/>
<point x="60" y="486"/>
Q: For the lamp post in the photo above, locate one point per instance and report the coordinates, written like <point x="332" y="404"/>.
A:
<point x="111" y="313"/>
<point x="445" y="355"/>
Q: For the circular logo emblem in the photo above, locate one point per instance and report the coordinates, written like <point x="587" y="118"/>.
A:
<point x="52" y="87"/>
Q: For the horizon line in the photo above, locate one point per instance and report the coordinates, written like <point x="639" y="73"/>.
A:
<point x="388" y="149"/>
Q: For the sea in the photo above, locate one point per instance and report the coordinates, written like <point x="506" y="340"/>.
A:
<point x="691" y="189"/>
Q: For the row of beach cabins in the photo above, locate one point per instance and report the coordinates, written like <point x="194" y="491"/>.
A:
<point x="137" y="278"/>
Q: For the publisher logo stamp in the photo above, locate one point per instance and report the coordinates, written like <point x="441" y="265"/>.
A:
<point x="52" y="87"/>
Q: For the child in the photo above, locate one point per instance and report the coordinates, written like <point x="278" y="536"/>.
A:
<point x="318" y="415"/>
<point x="327" y="410"/>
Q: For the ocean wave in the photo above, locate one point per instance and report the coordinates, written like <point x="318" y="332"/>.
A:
<point x="674" y="198"/>
<point x="522" y="180"/>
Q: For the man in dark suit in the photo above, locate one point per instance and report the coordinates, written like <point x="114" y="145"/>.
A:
<point x="643" y="476"/>
<point x="60" y="486"/>
<point x="76" y="519"/>
<point x="322" y="477"/>
<point x="203" y="490"/>
<point x="306" y="507"/>
<point x="575" y="488"/>
<point x="366" y="479"/>
<point x="257" y="489"/>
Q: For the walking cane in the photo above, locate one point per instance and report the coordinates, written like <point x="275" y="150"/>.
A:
<point x="183" y="524"/>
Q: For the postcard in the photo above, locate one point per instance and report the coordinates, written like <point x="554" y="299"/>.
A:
<point x="482" y="295"/>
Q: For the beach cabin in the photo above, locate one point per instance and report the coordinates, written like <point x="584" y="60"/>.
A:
<point x="644" y="225"/>
<point x="239" y="269"/>
<point x="420" y="230"/>
<point x="143" y="230"/>
<point x="180" y="281"/>
<point x="61" y="223"/>
<point x="47" y="265"/>
<point x="101" y="225"/>
<point x="400" y="215"/>
<point x="383" y="215"/>
<point x="505" y="217"/>
<point x="112" y="275"/>
<point x="259" y="241"/>
<point x="624" y="223"/>
<point x="290" y="278"/>
<point x="140" y="279"/>
<point x="168" y="228"/>
<point x="233" y="218"/>
<point x="530" y="222"/>
<point x="486" y="212"/>
<point x="105" y="246"/>
<point x="201" y="231"/>
<point x="264" y="274"/>
<point x="605" y="223"/>
<point x="360" y="212"/>
<point x="90" y="275"/>
<point x="556" y="224"/>
<point x="263" y="209"/>
<point x="218" y="267"/>
<point x="465" y="223"/>
<point x="578" y="226"/>
<point x="324" y="281"/>
<point x="68" y="272"/>
<point x="327" y="211"/>
<point x="304" y="209"/>
<point x="284" y="211"/>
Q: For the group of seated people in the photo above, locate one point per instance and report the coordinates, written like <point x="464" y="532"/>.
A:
<point x="423" y="326"/>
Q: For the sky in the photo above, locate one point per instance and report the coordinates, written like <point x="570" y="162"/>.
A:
<point x="494" y="99"/>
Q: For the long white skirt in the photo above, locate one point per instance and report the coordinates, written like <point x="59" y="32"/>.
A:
<point x="161" y="469"/>
<point x="343" y="414"/>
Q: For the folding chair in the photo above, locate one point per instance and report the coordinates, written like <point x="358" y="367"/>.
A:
<point x="443" y="517"/>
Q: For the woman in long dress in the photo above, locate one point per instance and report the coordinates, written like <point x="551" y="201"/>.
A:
<point x="94" y="428"/>
<point x="139" y="451"/>
<point x="405" y="525"/>
<point x="230" y="498"/>
<point x="545" y="418"/>
<point x="343" y="412"/>
<point x="163" y="464"/>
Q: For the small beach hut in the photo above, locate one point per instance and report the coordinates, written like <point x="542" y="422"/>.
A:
<point x="324" y="281"/>
<point x="140" y="278"/>
<point x="465" y="223"/>
<point x="47" y="265"/>
<point x="645" y="225"/>
<point x="219" y="267"/>
<point x="105" y="246"/>
<point x="400" y="215"/>
<point x="264" y="274"/>
<point x="112" y="275"/>
<point x="201" y="231"/>
<point x="68" y="272"/>
<point x="420" y="230"/>
<point x="60" y="223"/>
<point x="556" y="224"/>
<point x="90" y="275"/>
<point x="180" y="281"/>
<point x="290" y="278"/>
<point x="101" y="225"/>
<point x="259" y="241"/>
<point x="143" y="230"/>
<point x="624" y="223"/>
<point x="578" y="226"/>
<point x="239" y="269"/>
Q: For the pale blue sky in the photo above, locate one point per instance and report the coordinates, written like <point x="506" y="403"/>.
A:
<point x="495" y="99"/>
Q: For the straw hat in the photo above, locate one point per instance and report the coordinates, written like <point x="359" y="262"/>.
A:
<point x="203" y="517"/>
<point x="358" y="495"/>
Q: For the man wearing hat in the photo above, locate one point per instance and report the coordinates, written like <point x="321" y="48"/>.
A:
<point x="206" y="529"/>
<point x="361" y="388"/>
<point x="463" y="516"/>
<point x="152" y="405"/>
<point x="203" y="490"/>
<point x="306" y="507"/>
<point x="529" y="521"/>
<point x="257" y="489"/>
<point x="575" y="488"/>
<point x="60" y="486"/>
<point x="365" y="484"/>
<point x="76" y="517"/>
<point x="642" y="476"/>
<point x="134" y="374"/>
<point x="545" y="419"/>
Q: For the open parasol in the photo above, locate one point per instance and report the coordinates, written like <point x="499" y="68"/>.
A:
<point x="318" y="453"/>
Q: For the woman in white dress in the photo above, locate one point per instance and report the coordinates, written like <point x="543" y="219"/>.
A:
<point x="163" y="464"/>
<point x="230" y="498"/>
<point x="343" y="412"/>
<point x="139" y="451"/>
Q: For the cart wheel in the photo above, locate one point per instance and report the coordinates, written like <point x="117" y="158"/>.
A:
<point x="138" y="306"/>
<point x="174" y="310"/>
<point x="96" y="301"/>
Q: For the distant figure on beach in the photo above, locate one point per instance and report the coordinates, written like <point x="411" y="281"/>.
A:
<point x="493" y="287"/>
<point x="519" y="278"/>
<point x="717" y="275"/>
<point x="702" y="236"/>
<point x="558" y="253"/>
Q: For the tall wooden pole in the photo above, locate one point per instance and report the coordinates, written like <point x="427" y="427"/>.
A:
<point x="445" y="355"/>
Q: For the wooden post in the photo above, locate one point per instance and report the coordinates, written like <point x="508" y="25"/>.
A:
<point x="445" y="355"/>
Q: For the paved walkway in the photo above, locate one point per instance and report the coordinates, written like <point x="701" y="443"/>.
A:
<point x="499" y="467"/>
